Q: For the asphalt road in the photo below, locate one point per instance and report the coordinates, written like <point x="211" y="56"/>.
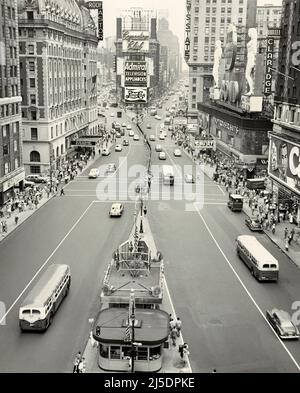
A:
<point x="218" y="300"/>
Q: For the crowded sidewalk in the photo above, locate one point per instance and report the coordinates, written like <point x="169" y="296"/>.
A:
<point x="280" y="228"/>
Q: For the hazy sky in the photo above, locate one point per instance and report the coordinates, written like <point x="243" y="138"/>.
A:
<point x="176" y="10"/>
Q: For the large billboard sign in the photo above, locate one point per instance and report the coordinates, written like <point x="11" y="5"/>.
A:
<point x="187" y="38"/>
<point x="135" y="73"/>
<point x="269" y="66"/>
<point x="97" y="5"/>
<point x="135" y="41"/>
<point x="284" y="162"/>
<point x="135" y="94"/>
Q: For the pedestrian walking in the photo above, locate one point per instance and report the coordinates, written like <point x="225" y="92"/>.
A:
<point x="273" y="228"/>
<point x="286" y="232"/>
<point x="173" y="336"/>
<point x="172" y="324"/>
<point x="145" y="210"/>
<point x="62" y="192"/>
<point x="81" y="366"/>
<point x="16" y="219"/>
<point x="178" y="325"/>
<point x="286" y="245"/>
<point x="76" y="362"/>
<point x="186" y="353"/>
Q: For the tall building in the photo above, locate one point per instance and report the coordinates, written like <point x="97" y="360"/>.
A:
<point x="170" y="59"/>
<point x="284" y="151"/>
<point x="58" y="74"/>
<point x="206" y="22"/>
<point x="137" y="56"/>
<point x="11" y="165"/>
<point x="267" y="16"/>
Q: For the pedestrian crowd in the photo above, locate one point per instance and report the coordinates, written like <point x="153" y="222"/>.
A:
<point x="79" y="365"/>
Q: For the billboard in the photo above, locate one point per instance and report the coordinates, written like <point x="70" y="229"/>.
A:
<point x="135" y="41"/>
<point x="269" y="66"/>
<point x="135" y="94"/>
<point x="135" y="73"/>
<point x="97" y="5"/>
<point x="284" y="162"/>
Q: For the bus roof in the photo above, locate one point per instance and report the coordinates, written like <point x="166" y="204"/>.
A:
<point x="257" y="250"/>
<point x="256" y="179"/>
<point x="236" y="196"/>
<point x="45" y="286"/>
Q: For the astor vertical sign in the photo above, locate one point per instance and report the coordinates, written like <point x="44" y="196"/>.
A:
<point x="97" y="5"/>
<point x="269" y="66"/>
<point x="187" y="39"/>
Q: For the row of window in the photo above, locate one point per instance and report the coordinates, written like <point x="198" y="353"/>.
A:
<point x="5" y="130"/>
<point x="6" y="148"/>
<point x="9" y="110"/>
<point x="35" y="156"/>
<point x="8" y="168"/>
<point x="11" y="12"/>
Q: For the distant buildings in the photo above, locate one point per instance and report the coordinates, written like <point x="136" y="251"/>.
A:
<point x="11" y="165"/>
<point x="170" y="59"/>
<point x="137" y="56"/>
<point x="58" y="74"/>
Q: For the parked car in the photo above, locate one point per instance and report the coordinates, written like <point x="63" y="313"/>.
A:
<point x="116" y="210"/>
<point x="177" y="153"/>
<point x="125" y="142"/>
<point x="37" y="178"/>
<point x="152" y="138"/>
<point x="148" y="126"/>
<point x="136" y="137"/>
<point x="118" y="135"/>
<point x="162" y="136"/>
<point x="124" y="125"/>
<point x="94" y="173"/>
<point x="253" y="225"/>
<point x="282" y="323"/>
<point x="106" y="152"/>
<point x="118" y="148"/>
<point x="131" y="133"/>
<point x="112" y="115"/>
<point x="162" y="155"/>
<point x="158" y="148"/>
<point x="129" y="127"/>
<point x="157" y="117"/>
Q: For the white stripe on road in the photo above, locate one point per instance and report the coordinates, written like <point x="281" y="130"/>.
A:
<point x="45" y="263"/>
<point x="245" y="288"/>
<point x="221" y="190"/>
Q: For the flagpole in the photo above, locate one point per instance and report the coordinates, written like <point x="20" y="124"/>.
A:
<point x="132" y="338"/>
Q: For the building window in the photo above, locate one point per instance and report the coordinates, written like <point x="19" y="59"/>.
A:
<point x="6" y="168"/>
<point x="33" y="99"/>
<point x="194" y="68"/>
<point x="15" y="146"/>
<point x="196" y="29"/>
<point x="240" y="10"/>
<point x="193" y="106"/>
<point x="219" y="134"/>
<point x="30" y="33"/>
<point x="194" y="89"/>
<point x="194" y="81"/>
<point x="240" y="20"/>
<point x="32" y="82"/>
<point x="30" y="15"/>
<point x="31" y="49"/>
<point x="35" y="156"/>
<point x="5" y="149"/>
<point x="16" y="163"/>
<point x="31" y="66"/>
<point x="33" y="115"/>
<point x="34" y="134"/>
<point x="35" y="169"/>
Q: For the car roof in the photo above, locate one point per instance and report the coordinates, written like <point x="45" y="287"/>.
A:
<point x="282" y="315"/>
<point x="116" y="204"/>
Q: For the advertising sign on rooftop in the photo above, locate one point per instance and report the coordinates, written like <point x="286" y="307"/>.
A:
<point x="135" y="73"/>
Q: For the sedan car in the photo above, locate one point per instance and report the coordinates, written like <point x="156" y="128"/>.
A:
<point x="189" y="178"/>
<point x="118" y="147"/>
<point x="158" y="148"/>
<point x="148" y="126"/>
<point x="136" y="137"/>
<point x="112" y="115"/>
<point x="162" y="155"/>
<point x="129" y="127"/>
<point x="162" y="136"/>
<point x="152" y="138"/>
<point x="116" y="210"/>
<point x="157" y="117"/>
<point x="253" y="225"/>
<point x="37" y="178"/>
<point x="106" y="152"/>
<point x="124" y="125"/>
<point x="118" y="135"/>
<point x="111" y="168"/>
<point x="177" y="153"/>
<point x="282" y="324"/>
<point x="131" y="133"/>
<point x="125" y="142"/>
<point x="94" y="173"/>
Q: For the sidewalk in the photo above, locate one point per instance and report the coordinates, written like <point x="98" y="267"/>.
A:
<point x="172" y="362"/>
<point x="11" y="226"/>
<point x="278" y="238"/>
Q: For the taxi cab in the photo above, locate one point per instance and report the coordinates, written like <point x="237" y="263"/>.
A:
<point x="94" y="173"/>
<point x="253" y="225"/>
<point x="116" y="210"/>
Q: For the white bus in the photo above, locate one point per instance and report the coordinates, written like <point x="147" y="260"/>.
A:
<point x="40" y="305"/>
<point x="167" y="175"/>
<point x="262" y="264"/>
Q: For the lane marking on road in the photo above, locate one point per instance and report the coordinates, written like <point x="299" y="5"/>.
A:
<point x="46" y="262"/>
<point x="244" y="287"/>
<point x="221" y="190"/>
